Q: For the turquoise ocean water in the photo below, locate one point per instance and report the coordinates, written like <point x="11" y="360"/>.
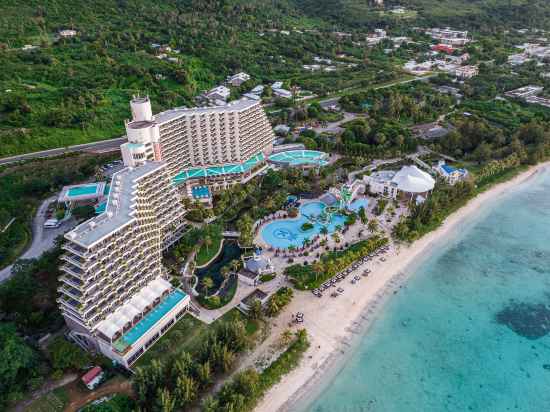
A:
<point x="470" y="330"/>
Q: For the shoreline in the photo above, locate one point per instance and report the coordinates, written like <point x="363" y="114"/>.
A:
<point x="336" y="325"/>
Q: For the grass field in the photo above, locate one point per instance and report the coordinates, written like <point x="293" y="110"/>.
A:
<point x="187" y="336"/>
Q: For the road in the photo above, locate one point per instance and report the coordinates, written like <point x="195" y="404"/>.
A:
<point x="334" y="99"/>
<point x="42" y="239"/>
<point x="101" y="146"/>
<point x="334" y="127"/>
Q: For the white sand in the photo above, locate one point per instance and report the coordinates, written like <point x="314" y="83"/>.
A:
<point x="332" y="323"/>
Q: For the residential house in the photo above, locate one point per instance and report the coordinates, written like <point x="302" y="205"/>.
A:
<point x="451" y="174"/>
<point x="238" y="79"/>
<point x="218" y="93"/>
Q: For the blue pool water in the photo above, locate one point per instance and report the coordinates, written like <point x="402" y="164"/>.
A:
<point x="300" y="157"/>
<point x="200" y="192"/>
<point x="153" y="317"/>
<point x="470" y="330"/>
<point x="358" y="204"/>
<point x="82" y="190"/>
<point x="288" y="232"/>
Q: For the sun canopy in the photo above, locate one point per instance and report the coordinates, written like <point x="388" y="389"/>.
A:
<point x="413" y="180"/>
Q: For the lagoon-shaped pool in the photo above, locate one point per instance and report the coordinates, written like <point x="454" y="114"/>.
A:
<point x="284" y="233"/>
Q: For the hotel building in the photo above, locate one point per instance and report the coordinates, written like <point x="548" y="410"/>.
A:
<point x="216" y="146"/>
<point x="112" y="293"/>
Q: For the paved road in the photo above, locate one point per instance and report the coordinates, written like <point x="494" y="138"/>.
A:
<point x="42" y="239"/>
<point x="334" y="127"/>
<point x="336" y="99"/>
<point x="102" y="146"/>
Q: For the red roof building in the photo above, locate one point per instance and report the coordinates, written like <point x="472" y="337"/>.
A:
<point x="443" y="48"/>
<point x="93" y="377"/>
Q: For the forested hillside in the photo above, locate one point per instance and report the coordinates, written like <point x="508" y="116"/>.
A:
<point x="76" y="90"/>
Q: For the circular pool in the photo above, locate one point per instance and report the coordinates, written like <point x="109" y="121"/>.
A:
<point x="284" y="233"/>
<point x="299" y="158"/>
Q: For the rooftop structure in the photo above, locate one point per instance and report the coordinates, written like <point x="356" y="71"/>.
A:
<point x="525" y="92"/>
<point x="238" y="79"/>
<point x="303" y="158"/>
<point x="449" y="173"/>
<point x="410" y="182"/>
<point x="188" y="139"/>
<point x="448" y="36"/>
<point x="466" y="72"/>
<point x="93" y="377"/>
<point x="67" y="33"/>
<point x="218" y="93"/>
<point x="282" y="93"/>
<point x="82" y="193"/>
<point x="112" y="268"/>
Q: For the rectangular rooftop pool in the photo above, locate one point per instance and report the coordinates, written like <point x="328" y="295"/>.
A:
<point x="150" y="320"/>
<point x="82" y="190"/>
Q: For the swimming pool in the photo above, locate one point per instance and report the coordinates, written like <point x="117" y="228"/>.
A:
<point x="153" y="317"/>
<point x="82" y="190"/>
<point x="288" y="232"/>
<point x="300" y="157"/>
<point x="358" y="204"/>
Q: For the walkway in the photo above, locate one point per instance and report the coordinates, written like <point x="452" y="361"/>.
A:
<point x="42" y="239"/>
<point x="45" y="389"/>
<point x="209" y="316"/>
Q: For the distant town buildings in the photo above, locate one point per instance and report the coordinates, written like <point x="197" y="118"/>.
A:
<point x="238" y="79"/>
<point x="449" y="37"/>
<point x="282" y="93"/>
<point x="221" y="93"/>
<point x="530" y="94"/>
<point x="466" y="72"/>
<point x="376" y="37"/>
<point x="67" y="33"/>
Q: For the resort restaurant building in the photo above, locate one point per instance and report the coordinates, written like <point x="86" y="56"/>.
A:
<point x="215" y="146"/>
<point x="408" y="183"/>
<point x="112" y="293"/>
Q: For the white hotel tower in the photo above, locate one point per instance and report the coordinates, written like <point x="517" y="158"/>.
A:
<point x="210" y="145"/>
<point x="112" y="294"/>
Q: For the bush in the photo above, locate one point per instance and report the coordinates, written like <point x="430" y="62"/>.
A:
<point x="65" y="355"/>
<point x="306" y="226"/>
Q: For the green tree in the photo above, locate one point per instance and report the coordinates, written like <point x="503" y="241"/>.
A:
<point x="372" y="226"/>
<point x="65" y="355"/>
<point x="255" y="311"/>
<point x="186" y="390"/>
<point x="165" y="402"/>
<point x="207" y="284"/>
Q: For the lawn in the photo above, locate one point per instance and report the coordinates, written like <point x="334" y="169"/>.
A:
<point x="207" y="252"/>
<point x="187" y="335"/>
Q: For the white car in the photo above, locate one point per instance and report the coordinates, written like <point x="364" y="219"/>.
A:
<point x="51" y="223"/>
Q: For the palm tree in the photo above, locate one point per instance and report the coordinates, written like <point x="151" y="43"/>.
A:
<point x="224" y="271"/>
<point x="324" y="231"/>
<point x="272" y="306"/>
<point x="255" y="311"/>
<point x="286" y="337"/>
<point x="207" y="242"/>
<point x="318" y="268"/>
<point x="234" y="265"/>
<point x="207" y="283"/>
<point x="372" y="226"/>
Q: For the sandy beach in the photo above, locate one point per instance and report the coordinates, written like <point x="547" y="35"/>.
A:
<point x="334" y="323"/>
